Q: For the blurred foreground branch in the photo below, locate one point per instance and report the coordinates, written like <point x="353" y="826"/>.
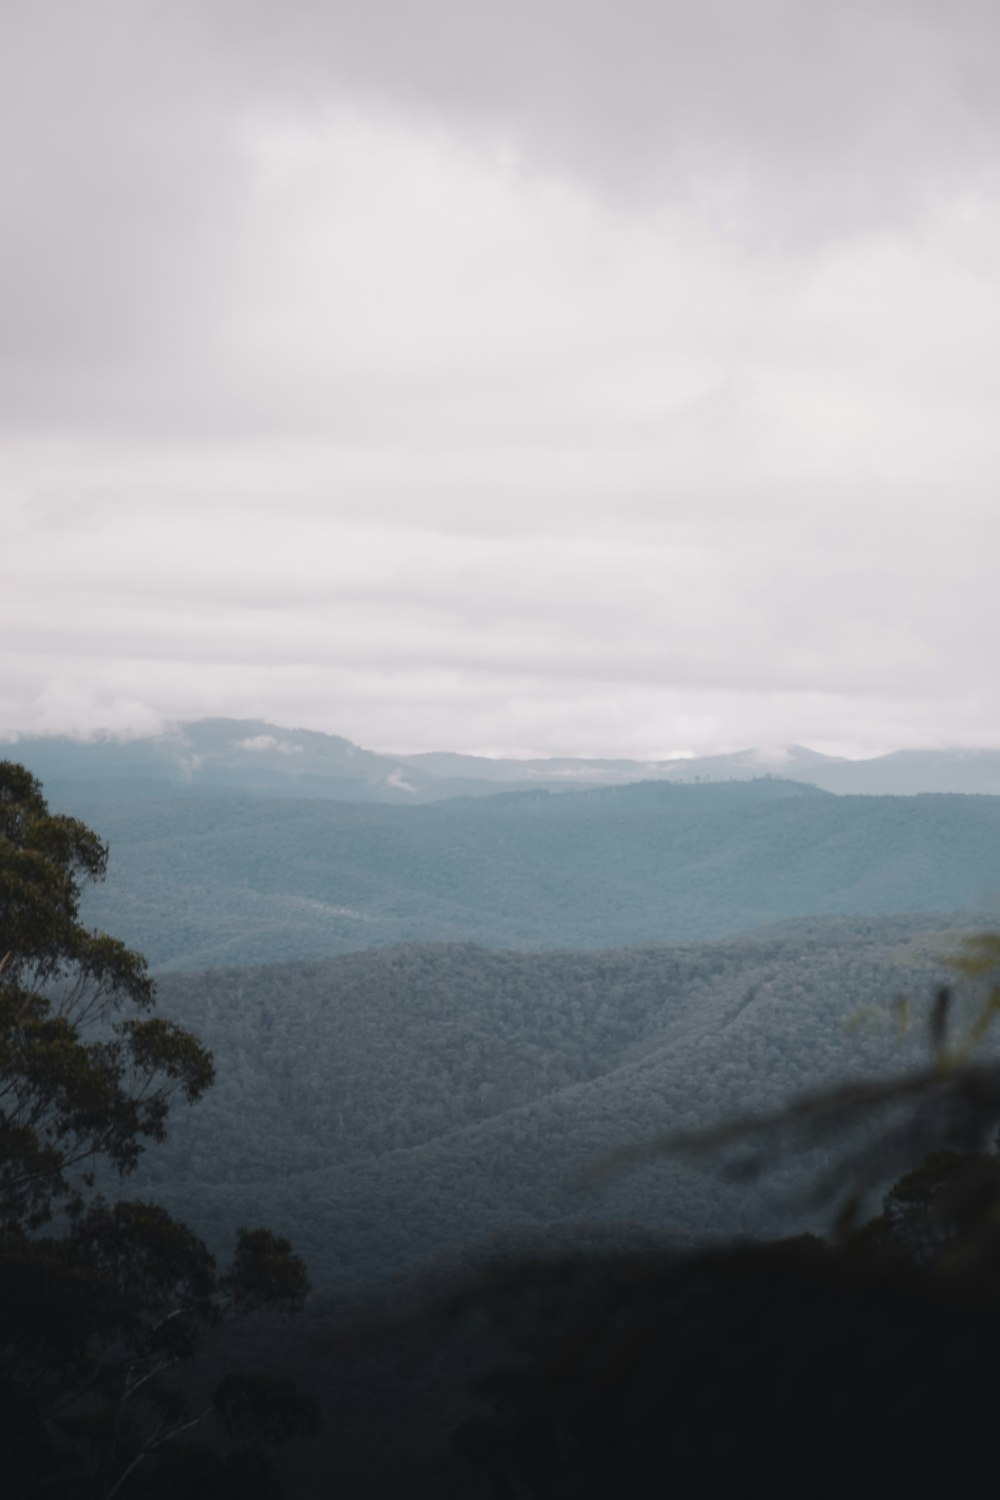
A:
<point x="882" y="1125"/>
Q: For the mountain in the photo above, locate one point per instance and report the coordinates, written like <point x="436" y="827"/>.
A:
<point x="254" y="757"/>
<point x="909" y="772"/>
<point x="901" y="773"/>
<point x="217" y="755"/>
<point x="386" y="1107"/>
<point x="208" y="880"/>
<point x="793" y="762"/>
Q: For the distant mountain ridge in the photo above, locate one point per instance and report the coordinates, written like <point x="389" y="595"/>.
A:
<point x="208" y="880"/>
<point x="251" y="756"/>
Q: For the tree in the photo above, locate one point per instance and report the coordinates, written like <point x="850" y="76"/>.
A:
<point x="85" y="1070"/>
<point x="100" y="1301"/>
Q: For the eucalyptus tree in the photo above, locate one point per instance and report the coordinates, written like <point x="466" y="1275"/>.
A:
<point x="101" y="1299"/>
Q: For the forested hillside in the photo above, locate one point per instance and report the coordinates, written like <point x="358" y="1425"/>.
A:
<point x="389" y="1106"/>
<point x="209" y="881"/>
<point x="423" y="1119"/>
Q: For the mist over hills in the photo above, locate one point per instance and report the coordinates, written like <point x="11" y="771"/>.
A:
<point x="252" y="756"/>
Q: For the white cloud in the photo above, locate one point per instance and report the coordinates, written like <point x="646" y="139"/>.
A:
<point x="258" y="744"/>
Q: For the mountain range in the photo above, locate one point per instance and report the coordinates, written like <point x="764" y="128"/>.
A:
<point x="252" y="756"/>
<point x="439" y="988"/>
<point x="214" y="879"/>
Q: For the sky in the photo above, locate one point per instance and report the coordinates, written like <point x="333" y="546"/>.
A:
<point x="549" y="377"/>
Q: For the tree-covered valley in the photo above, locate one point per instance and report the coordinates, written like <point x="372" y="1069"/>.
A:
<point x="392" y="1105"/>
<point x="209" y="880"/>
<point x="441" y="1039"/>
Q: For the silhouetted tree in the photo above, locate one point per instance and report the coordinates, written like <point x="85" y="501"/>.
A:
<point x="101" y="1301"/>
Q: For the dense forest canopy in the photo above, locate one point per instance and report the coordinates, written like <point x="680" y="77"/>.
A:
<point x="205" y="881"/>
<point x="395" y="1104"/>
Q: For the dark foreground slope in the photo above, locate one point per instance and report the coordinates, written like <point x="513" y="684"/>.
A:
<point x="390" y="1106"/>
<point x="209" y="881"/>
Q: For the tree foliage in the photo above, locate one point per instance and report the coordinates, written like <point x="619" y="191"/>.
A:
<point x="85" y="1071"/>
<point x="101" y="1300"/>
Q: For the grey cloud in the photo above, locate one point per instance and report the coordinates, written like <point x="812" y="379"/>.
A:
<point x="127" y="202"/>
<point x="675" y="429"/>
<point x="119" y="194"/>
<point x="776" y="613"/>
<point x="824" y="108"/>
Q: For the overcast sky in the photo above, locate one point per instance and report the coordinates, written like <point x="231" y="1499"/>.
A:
<point x="545" y="376"/>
